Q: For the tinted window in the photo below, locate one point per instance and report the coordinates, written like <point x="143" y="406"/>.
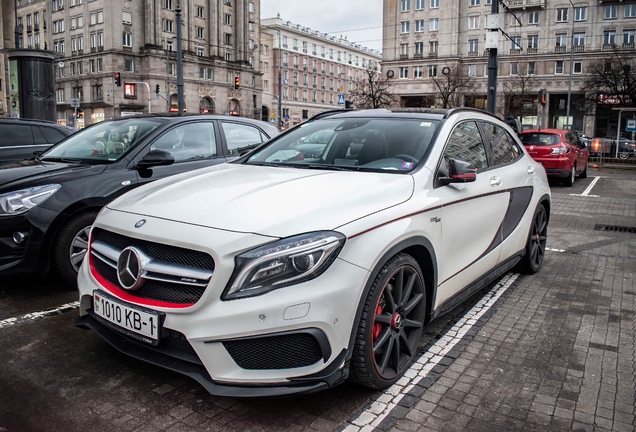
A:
<point x="52" y="135"/>
<point x="15" y="135"/>
<point x="540" y="139"/>
<point x="188" y="142"/>
<point x="466" y="144"/>
<point x="239" y="136"/>
<point x="503" y="149"/>
<point x="38" y="136"/>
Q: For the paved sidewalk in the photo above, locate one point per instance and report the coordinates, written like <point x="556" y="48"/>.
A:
<point x="557" y="351"/>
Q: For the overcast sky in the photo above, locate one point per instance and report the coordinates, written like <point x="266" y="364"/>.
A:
<point x="333" y="16"/>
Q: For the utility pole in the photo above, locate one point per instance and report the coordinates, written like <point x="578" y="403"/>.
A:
<point x="493" y="66"/>
<point x="567" y="114"/>
<point x="280" y="83"/>
<point x="180" y="101"/>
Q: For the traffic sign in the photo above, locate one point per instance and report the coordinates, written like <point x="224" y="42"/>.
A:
<point x="341" y="100"/>
<point x="631" y="125"/>
<point x="75" y="102"/>
<point x="341" y="88"/>
<point x="285" y="82"/>
<point x="272" y="115"/>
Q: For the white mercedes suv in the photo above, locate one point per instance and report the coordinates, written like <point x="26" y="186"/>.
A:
<point x="320" y="255"/>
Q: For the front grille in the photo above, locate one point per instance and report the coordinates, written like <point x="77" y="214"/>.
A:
<point x="275" y="352"/>
<point x="158" y="251"/>
<point x="173" y="343"/>
<point x="151" y="289"/>
<point x="615" y="228"/>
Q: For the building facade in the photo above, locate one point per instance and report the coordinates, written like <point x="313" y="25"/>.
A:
<point x="100" y="43"/>
<point x="423" y="37"/>
<point x="315" y="70"/>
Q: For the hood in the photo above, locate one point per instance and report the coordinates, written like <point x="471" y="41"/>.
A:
<point x="272" y="201"/>
<point x="26" y="172"/>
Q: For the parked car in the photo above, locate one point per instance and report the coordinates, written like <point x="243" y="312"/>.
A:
<point x="22" y="137"/>
<point x="607" y="147"/>
<point x="560" y="152"/>
<point x="47" y="204"/>
<point x="285" y="272"/>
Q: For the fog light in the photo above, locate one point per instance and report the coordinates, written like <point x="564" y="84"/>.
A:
<point x="19" y="237"/>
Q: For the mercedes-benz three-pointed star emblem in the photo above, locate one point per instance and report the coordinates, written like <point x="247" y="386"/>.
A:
<point x="129" y="269"/>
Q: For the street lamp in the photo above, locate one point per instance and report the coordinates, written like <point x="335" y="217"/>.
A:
<point x="280" y="78"/>
<point x="567" y="114"/>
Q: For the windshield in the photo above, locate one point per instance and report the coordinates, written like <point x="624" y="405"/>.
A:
<point x="105" y="142"/>
<point x="359" y="144"/>
<point x="540" y="139"/>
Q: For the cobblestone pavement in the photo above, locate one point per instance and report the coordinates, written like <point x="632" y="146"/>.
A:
<point x="553" y="351"/>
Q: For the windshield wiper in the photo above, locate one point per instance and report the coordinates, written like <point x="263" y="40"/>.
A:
<point x="331" y="167"/>
<point x="60" y="159"/>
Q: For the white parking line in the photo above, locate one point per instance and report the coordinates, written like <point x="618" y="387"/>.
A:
<point x="37" y="315"/>
<point x="555" y="250"/>
<point x="381" y="407"/>
<point x="589" y="188"/>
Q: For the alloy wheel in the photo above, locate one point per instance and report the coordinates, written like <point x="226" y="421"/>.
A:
<point x="78" y="248"/>
<point x="538" y="237"/>
<point x="397" y="325"/>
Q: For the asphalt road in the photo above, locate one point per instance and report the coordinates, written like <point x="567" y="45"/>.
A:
<point x="54" y="376"/>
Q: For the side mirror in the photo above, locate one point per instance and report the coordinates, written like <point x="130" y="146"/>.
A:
<point x="156" y="158"/>
<point x="460" y="172"/>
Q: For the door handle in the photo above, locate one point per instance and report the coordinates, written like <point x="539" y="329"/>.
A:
<point x="495" y="181"/>
<point x="530" y="170"/>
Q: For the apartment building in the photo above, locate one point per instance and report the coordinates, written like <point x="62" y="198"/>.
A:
<point x="315" y="69"/>
<point x="422" y="37"/>
<point x="96" y="39"/>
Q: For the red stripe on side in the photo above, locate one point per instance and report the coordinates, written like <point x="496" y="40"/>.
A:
<point x="126" y="296"/>
<point x="464" y="176"/>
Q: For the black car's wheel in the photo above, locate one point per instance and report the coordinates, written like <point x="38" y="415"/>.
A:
<point x="623" y="155"/>
<point x="584" y="173"/>
<point x="535" y="246"/>
<point x="391" y="324"/>
<point x="569" y="181"/>
<point x="71" y="246"/>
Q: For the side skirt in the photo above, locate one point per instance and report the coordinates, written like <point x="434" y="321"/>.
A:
<point x="477" y="285"/>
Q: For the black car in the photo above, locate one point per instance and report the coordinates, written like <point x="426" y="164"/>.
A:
<point x="22" y="137"/>
<point x="48" y="203"/>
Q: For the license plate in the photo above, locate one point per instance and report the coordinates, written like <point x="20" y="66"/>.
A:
<point x="140" y="324"/>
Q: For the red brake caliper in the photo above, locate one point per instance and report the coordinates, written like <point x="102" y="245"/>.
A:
<point x="377" y="327"/>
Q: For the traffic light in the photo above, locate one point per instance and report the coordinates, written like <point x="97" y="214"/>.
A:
<point x="543" y="96"/>
<point x="117" y="76"/>
<point x="157" y="89"/>
<point x="237" y="82"/>
<point x="348" y="104"/>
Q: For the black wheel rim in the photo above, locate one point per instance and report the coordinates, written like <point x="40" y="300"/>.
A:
<point x="538" y="238"/>
<point x="397" y="326"/>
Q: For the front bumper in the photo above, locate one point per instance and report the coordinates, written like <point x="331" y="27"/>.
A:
<point x="327" y="304"/>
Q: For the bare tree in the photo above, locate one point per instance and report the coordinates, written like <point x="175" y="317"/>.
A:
<point x="517" y="89"/>
<point x="374" y="91"/>
<point x="452" y="85"/>
<point x="611" y="81"/>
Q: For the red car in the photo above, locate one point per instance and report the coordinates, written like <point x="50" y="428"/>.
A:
<point x="559" y="151"/>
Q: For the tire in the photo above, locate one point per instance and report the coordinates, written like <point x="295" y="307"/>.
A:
<point x="584" y="173"/>
<point x="569" y="181"/>
<point x="69" y="242"/>
<point x="535" y="246"/>
<point x="389" y="332"/>
<point x="623" y="155"/>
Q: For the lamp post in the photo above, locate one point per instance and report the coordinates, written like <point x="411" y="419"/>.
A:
<point x="567" y="113"/>
<point x="180" y="100"/>
<point x="280" y="77"/>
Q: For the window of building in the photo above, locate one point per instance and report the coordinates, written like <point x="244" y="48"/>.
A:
<point x="167" y="4"/>
<point x="533" y="41"/>
<point x="404" y="72"/>
<point x="417" y="71"/>
<point x="129" y="65"/>
<point x="295" y="44"/>
<point x="419" y="4"/>
<point x="611" y="11"/>
<point x="579" y="39"/>
<point x="609" y="37"/>
<point x="474" y="2"/>
<point x="432" y="47"/>
<point x="126" y="18"/>
<point x="199" y="12"/>
<point x="472" y="70"/>
<point x="578" y="66"/>
<point x="533" y="17"/>
<point x="210" y="73"/>
<point x="228" y="19"/>
<point x="532" y="66"/>
<point x="405" y="26"/>
<point x="227" y="38"/>
<point x="434" y="4"/>
<point x="558" y="67"/>
<point x="628" y="36"/>
<point x="200" y="32"/>
<point x="406" y="5"/>
<point x="432" y="70"/>
<point x="561" y="39"/>
<point x="419" y="25"/>
<point x="580" y="13"/>
<point x="250" y="26"/>
<point x="58" y="26"/>
<point x="419" y="47"/>
<point x="228" y="56"/>
<point x="630" y="10"/>
<point x="171" y="68"/>
<point x="202" y="73"/>
<point x="250" y="7"/>
<point x="59" y="96"/>
<point x="127" y="39"/>
<point x="473" y="22"/>
<point x="167" y="25"/>
<point x="473" y="45"/>
<point x="515" y="43"/>
<point x="200" y="51"/>
<point x="514" y="68"/>
<point x="99" y="65"/>
<point x="562" y="14"/>
<point x="433" y="24"/>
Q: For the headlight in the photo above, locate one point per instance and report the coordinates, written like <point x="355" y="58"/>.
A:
<point x="282" y="263"/>
<point x="21" y="201"/>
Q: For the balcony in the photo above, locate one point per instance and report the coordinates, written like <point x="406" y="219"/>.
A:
<point x="515" y="51"/>
<point x="93" y="49"/>
<point x="323" y="71"/>
<point x="432" y="54"/>
<point x="404" y="56"/>
<point x="627" y="45"/>
<point x="295" y="83"/>
<point x="331" y="73"/>
<point x="581" y="48"/>
<point x="36" y="26"/>
<point x="532" y="50"/>
<point x="473" y="53"/>
<point x="305" y="84"/>
<point x="608" y="47"/>
<point x="560" y="49"/>
<point x="322" y="87"/>
<point x="523" y="4"/>
<point x="305" y="67"/>
<point x="331" y="88"/>
<point x="418" y="55"/>
<point x="29" y="29"/>
<point x="101" y="48"/>
<point x="285" y="64"/>
<point x="313" y="85"/>
<point x="315" y="70"/>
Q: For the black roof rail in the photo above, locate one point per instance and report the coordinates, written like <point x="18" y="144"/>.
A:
<point x="452" y="111"/>
<point x="27" y="119"/>
<point x="330" y="113"/>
